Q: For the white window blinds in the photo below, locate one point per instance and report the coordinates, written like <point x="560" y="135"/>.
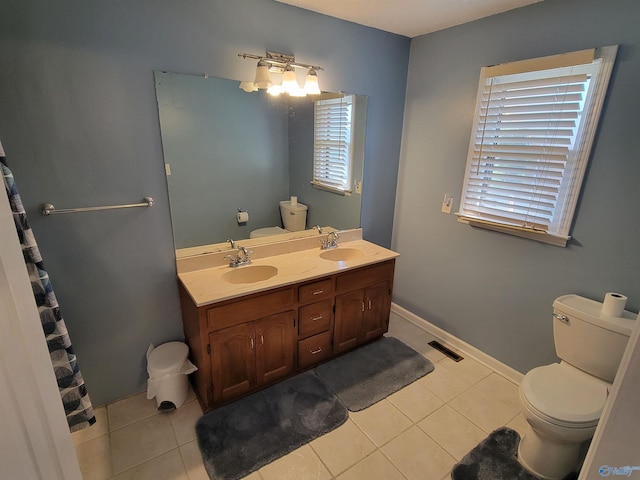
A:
<point x="333" y="144"/>
<point x="532" y="134"/>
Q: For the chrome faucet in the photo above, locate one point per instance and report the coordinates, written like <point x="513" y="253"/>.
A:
<point x="319" y="228"/>
<point x="241" y="258"/>
<point x="233" y="244"/>
<point x="331" y="241"/>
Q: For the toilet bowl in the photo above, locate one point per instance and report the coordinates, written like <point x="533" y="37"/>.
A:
<point x="562" y="406"/>
<point x="562" y="402"/>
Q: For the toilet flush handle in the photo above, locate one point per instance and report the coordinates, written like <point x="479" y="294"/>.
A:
<point x="562" y="318"/>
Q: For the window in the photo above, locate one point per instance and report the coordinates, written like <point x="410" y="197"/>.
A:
<point x="333" y="144"/>
<point x="532" y="134"/>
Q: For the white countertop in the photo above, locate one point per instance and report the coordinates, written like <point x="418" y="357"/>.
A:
<point x="205" y="285"/>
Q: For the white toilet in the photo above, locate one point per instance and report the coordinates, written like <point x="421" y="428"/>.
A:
<point x="294" y="219"/>
<point x="562" y="402"/>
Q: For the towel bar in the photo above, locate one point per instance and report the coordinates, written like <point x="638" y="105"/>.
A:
<point x="49" y="209"/>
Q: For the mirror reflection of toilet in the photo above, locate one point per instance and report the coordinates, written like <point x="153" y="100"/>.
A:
<point x="294" y="219"/>
<point x="562" y="402"/>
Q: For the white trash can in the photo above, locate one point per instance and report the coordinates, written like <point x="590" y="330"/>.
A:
<point x="168" y="368"/>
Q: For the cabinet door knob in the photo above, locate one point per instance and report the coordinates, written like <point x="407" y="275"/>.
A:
<point x="252" y="343"/>
<point x="369" y="303"/>
<point x="362" y="306"/>
<point x="261" y="339"/>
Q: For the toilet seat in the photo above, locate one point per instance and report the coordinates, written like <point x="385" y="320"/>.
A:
<point x="266" y="232"/>
<point x="564" y="396"/>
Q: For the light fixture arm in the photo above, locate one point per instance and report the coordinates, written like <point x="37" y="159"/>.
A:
<point x="279" y="60"/>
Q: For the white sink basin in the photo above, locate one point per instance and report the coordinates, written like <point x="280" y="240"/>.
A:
<point x="250" y="274"/>
<point x="341" y="254"/>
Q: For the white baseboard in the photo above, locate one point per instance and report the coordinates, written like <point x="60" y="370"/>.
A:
<point x="453" y="341"/>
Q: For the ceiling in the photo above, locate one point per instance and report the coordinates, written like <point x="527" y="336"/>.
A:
<point x="409" y="17"/>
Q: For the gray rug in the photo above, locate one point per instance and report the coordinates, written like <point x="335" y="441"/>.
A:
<point x="245" y="435"/>
<point x="367" y="375"/>
<point x="495" y="459"/>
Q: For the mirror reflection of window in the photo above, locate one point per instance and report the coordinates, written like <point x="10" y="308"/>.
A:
<point x="333" y="144"/>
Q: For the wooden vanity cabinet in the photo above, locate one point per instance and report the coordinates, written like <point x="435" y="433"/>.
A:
<point x="251" y="354"/>
<point x="362" y="311"/>
<point x="244" y="344"/>
<point x="239" y="345"/>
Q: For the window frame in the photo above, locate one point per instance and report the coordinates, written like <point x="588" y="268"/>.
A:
<point x="345" y="153"/>
<point x="562" y="213"/>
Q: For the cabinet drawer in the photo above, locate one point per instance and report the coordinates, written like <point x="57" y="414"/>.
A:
<point x="249" y="309"/>
<point x="314" y="349"/>
<point x="365" y="276"/>
<point x="315" y="291"/>
<point x="315" y="318"/>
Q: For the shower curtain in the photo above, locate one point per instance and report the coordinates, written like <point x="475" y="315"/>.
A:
<point x="75" y="399"/>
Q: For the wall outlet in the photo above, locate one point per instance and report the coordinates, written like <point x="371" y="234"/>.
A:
<point x="447" y="203"/>
<point x="358" y="186"/>
<point x="167" y="169"/>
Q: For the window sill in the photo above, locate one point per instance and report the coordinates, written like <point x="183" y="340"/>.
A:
<point x="327" y="188"/>
<point x="539" y="236"/>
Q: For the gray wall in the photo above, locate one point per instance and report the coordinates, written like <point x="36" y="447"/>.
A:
<point x="79" y="124"/>
<point x="494" y="290"/>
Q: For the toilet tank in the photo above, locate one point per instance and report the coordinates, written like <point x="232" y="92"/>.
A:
<point x="294" y="217"/>
<point x="587" y="339"/>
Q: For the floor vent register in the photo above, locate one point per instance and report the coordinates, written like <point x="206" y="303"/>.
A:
<point x="447" y="351"/>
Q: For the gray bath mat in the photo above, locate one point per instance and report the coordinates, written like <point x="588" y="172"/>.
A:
<point x="245" y="435"/>
<point x="495" y="459"/>
<point x="367" y="375"/>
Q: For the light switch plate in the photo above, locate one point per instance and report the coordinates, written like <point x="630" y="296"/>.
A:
<point x="447" y="203"/>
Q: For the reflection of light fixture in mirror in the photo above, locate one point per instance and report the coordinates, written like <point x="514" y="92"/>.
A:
<point x="286" y="65"/>
<point x="263" y="80"/>
<point x="311" y="86"/>
<point x="248" y="87"/>
<point x="275" y="90"/>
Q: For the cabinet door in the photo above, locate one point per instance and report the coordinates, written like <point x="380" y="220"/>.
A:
<point x="233" y="361"/>
<point x="377" y="306"/>
<point x="274" y="346"/>
<point x="348" y="328"/>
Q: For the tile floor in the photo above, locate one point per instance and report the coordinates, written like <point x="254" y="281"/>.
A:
<point x="419" y="432"/>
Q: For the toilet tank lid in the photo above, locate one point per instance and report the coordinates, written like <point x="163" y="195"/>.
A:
<point x="297" y="208"/>
<point x="591" y="311"/>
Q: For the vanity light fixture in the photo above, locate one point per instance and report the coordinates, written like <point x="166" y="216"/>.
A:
<point x="284" y="64"/>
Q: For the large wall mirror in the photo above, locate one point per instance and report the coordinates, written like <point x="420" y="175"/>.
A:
<point x="225" y="150"/>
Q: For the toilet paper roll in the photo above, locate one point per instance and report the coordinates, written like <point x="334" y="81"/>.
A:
<point x="614" y="304"/>
<point x="242" y="217"/>
<point x="294" y="200"/>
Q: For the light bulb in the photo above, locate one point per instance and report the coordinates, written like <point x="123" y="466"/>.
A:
<point x="289" y="80"/>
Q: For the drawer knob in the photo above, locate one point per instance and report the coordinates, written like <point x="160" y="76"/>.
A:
<point x="315" y="319"/>
<point x="313" y="352"/>
<point x="318" y="292"/>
